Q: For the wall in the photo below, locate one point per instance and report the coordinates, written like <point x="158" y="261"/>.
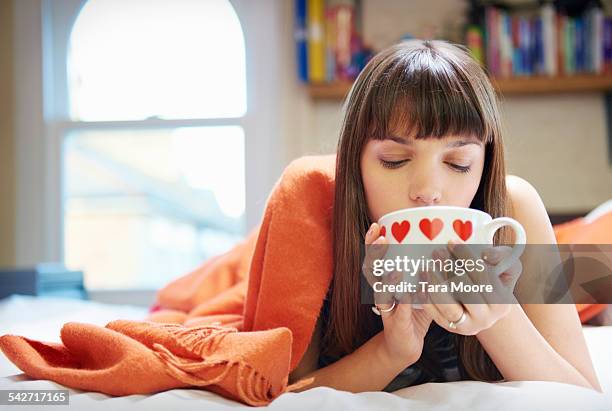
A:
<point x="7" y="146"/>
<point x="556" y="142"/>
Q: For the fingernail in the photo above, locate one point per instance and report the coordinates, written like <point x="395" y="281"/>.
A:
<point x="369" y="233"/>
<point x="442" y="254"/>
<point x="490" y="255"/>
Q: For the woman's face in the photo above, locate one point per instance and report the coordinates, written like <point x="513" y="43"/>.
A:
<point x="401" y="172"/>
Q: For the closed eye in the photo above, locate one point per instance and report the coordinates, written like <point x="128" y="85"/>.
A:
<point x="392" y="164"/>
<point x="397" y="164"/>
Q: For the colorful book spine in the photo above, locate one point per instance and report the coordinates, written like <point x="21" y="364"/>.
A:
<point x="506" y="44"/>
<point x="300" y="36"/>
<point x="516" y="46"/>
<point x="537" y="54"/>
<point x="597" y="36"/>
<point x="524" y="44"/>
<point x="343" y="17"/>
<point x="549" y="39"/>
<point x="492" y="33"/>
<point x="607" y="41"/>
<point x="548" y="42"/>
<point x="570" y="45"/>
<point x="588" y="47"/>
<point x="330" y="44"/>
<point x="579" y="47"/>
<point x="316" y="40"/>
<point x="561" y="51"/>
<point x="474" y="42"/>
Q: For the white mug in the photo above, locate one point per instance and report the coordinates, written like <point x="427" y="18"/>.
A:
<point x="439" y="224"/>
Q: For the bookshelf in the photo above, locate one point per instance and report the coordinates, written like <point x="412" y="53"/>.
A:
<point x="504" y="86"/>
<point x="528" y="48"/>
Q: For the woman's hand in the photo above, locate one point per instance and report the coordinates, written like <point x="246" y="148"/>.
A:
<point x="486" y="307"/>
<point x="404" y="327"/>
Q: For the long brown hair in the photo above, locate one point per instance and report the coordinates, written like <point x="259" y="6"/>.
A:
<point x="432" y="89"/>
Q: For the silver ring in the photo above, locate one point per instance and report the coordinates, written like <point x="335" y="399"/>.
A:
<point x="454" y="324"/>
<point x="378" y="311"/>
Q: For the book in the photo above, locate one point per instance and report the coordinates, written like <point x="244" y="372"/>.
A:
<point x="315" y="12"/>
<point x="579" y="47"/>
<point x="506" y="53"/>
<point x="330" y="45"/>
<point x="474" y="42"/>
<point x="300" y="36"/>
<point x="607" y="45"/>
<point x="570" y="44"/>
<point x="549" y="39"/>
<point x="492" y="42"/>
<point x="342" y="19"/>
<point x="561" y="22"/>
<point x="596" y="18"/>
<point x="516" y="46"/>
<point x="537" y="53"/>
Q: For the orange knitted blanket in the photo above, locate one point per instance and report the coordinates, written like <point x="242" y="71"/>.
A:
<point x="237" y="325"/>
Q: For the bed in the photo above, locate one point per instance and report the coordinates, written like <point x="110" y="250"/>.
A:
<point x="42" y="318"/>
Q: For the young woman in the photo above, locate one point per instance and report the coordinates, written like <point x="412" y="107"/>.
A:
<point x="422" y="127"/>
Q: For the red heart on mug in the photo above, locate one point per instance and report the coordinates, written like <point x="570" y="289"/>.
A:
<point x="431" y="228"/>
<point x="463" y="229"/>
<point x="383" y="231"/>
<point x="400" y="230"/>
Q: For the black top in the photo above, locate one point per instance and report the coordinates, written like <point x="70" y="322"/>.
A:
<point x="443" y="344"/>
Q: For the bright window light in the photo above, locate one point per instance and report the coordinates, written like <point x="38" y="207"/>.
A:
<point x="137" y="59"/>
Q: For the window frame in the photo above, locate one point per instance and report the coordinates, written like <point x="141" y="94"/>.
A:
<point x="41" y="32"/>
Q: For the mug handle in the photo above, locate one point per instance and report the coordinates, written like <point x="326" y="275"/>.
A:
<point x="519" y="245"/>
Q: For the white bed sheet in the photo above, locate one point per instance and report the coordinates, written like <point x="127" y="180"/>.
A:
<point x="42" y="319"/>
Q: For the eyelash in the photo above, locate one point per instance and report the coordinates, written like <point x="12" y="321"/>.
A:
<point x="396" y="164"/>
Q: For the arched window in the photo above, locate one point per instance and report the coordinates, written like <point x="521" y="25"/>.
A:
<point x="154" y="160"/>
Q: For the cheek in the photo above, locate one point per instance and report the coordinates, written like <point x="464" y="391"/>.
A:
<point x="373" y="186"/>
<point x="462" y="190"/>
<point x="381" y="193"/>
<point x="461" y="195"/>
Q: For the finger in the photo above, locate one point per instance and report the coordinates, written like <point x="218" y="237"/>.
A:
<point x="503" y="283"/>
<point x="387" y="280"/>
<point x="385" y="300"/>
<point x="444" y="303"/>
<point x="508" y="281"/>
<point x="441" y="256"/>
<point x="453" y="304"/>
<point x="437" y="313"/>
<point x="493" y="255"/>
<point x="385" y="309"/>
<point x="469" y="292"/>
<point x="378" y="277"/>
<point x="372" y="233"/>
<point x="460" y="249"/>
<point x="375" y="249"/>
<point x="438" y="294"/>
<point x="474" y="271"/>
<point x="457" y="279"/>
<point x="432" y="312"/>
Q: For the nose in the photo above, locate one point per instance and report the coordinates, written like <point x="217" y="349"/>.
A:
<point x="424" y="192"/>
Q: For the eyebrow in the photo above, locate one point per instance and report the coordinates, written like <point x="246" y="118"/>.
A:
<point x="452" y="144"/>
